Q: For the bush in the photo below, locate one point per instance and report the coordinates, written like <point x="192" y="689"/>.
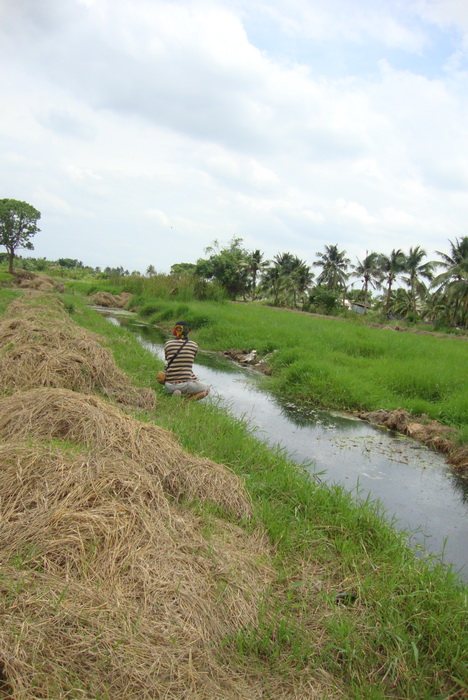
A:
<point x="150" y="309"/>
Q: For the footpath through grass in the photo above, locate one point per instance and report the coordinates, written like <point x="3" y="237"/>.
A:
<point x="400" y="630"/>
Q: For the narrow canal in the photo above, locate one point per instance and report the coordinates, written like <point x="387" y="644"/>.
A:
<point x="415" y="485"/>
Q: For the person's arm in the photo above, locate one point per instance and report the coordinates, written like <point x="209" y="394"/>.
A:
<point x="167" y="356"/>
<point x="194" y="378"/>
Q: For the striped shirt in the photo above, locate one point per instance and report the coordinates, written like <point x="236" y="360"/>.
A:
<point x="180" y="369"/>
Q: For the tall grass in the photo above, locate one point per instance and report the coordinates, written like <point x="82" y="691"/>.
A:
<point x="401" y="630"/>
<point x="174" y="287"/>
<point x="335" y="363"/>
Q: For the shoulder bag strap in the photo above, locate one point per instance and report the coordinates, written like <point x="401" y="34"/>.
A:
<point x="174" y="356"/>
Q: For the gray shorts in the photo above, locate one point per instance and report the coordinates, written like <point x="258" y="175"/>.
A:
<point x="190" y="388"/>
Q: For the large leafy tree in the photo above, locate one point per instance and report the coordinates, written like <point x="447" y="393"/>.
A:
<point x="180" y="269"/>
<point x="18" y="224"/>
<point x="391" y="266"/>
<point x="369" y="271"/>
<point x="228" y="265"/>
<point x="334" y="264"/>
<point x="70" y="263"/>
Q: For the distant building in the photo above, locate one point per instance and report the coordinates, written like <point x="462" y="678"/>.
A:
<point x="355" y="306"/>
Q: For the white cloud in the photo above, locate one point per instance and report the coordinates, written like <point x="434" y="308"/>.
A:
<point x="158" y="216"/>
<point x="121" y="120"/>
<point x="82" y="175"/>
<point x="353" y="210"/>
<point x="51" y="202"/>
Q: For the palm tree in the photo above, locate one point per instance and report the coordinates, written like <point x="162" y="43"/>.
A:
<point x="416" y="269"/>
<point x="368" y="270"/>
<point x="285" y="261"/>
<point x="273" y="282"/>
<point x="401" y="303"/>
<point x="434" y="308"/>
<point x="334" y="264"/>
<point x="297" y="276"/>
<point x="390" y="266"/>
<point x="453" y="282"/>
<point x="255" y="264"/>
<point x="303" y="277"/>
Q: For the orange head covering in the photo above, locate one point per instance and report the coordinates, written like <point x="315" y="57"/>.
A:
<point x="181" y="329"/>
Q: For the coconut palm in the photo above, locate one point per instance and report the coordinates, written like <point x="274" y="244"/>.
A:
<point x="334" y="264"/>
<point x="254" y="265"/>
<point x="369" y="271"/>
<point x="285" y="261"/>
<point x="452" y="284"/>
<point x="390" y="267"/>
<point x="401" y="302"/>
<point x="297" y="276"/>
<point x="273" y="282"/>
<point x="434" y="308"/>
<point x="416" y="269"/>
<point x="303" y="277"/>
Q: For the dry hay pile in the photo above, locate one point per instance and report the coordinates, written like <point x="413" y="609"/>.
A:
<point x="41" y="346"/>
<point x="116" y="301"/>
<point x="109" y="586"/>
<point x="109" y="590"/>
<point x="41" y="283"/>
<point x="47" y="414"/>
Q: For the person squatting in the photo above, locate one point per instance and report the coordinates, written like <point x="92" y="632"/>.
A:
<point x="181" y="352"/>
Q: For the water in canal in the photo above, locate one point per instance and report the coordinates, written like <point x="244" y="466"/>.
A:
<point x="414" y="484"/>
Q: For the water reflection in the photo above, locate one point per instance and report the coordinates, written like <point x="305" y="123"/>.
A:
<point x="414" y="484"/>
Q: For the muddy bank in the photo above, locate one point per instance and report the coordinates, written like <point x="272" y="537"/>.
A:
<point x="429" y="432"/>
<point x="249" y="359"/>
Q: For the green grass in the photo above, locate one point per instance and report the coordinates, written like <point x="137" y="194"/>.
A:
<point x="334" y="363"/>
<point x="6" y="297"/>
<point x="405" y="636"/>
<point x="6" y="278"/>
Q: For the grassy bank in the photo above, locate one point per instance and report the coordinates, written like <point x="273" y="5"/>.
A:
<point x="270" y="624"/>
<point x="338" y="364"/>
<point x="401" y="632"/>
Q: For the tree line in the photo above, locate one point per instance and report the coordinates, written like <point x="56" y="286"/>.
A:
<point x="400" y="284"/>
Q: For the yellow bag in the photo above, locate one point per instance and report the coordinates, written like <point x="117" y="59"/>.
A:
<point x="161" y="377"/>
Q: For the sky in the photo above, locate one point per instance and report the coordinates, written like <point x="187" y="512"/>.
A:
<point x="144" y="130"/>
